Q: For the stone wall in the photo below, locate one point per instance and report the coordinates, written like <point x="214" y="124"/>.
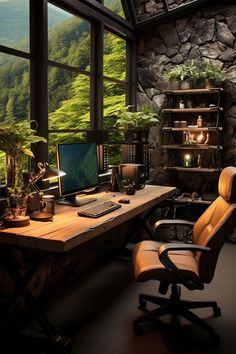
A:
<point x="208" y="34"/>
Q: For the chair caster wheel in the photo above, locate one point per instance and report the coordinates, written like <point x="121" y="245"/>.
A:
<point x="217" y="312"/>
<point x="138" y="329"/>
<point x="142" y="304"/>
<point x="215" y="338"/>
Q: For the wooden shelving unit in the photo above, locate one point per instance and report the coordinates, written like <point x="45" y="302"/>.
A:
<point x="192" y="147"/>
<point x="192" y="169"/>
<point x="205" y="102"/>
<point x="192" y="110"/>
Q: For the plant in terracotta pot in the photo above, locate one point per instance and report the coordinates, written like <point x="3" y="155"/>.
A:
<point x="16" y="138"/>
<point x="134" y="123"/>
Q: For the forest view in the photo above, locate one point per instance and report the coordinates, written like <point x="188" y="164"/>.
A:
<point x="69" y="91"/>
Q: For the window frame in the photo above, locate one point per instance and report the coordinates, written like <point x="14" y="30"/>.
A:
<point x="99" y="21"/>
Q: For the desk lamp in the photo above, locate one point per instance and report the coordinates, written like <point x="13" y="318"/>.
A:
<point x="45" y="173"/>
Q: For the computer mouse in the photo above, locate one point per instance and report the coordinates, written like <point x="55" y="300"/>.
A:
<point x="124" y="200"/>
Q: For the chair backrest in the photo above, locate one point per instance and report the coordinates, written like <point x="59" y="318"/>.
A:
<point x="216" y="224"/>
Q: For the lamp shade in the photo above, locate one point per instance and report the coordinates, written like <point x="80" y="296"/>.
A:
<point x="52" y="173"/>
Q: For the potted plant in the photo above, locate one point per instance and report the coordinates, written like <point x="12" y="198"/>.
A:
<point x="136" y="124"/>
<point x="211" y="74"/>
<point x="16" y="138"/>
<point x="183" y="74"/>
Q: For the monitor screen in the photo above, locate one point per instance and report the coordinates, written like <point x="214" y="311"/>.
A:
<point x="79" y="162"/>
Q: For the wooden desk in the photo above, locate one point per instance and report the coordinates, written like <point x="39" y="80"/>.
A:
<point x="68" y="230"/>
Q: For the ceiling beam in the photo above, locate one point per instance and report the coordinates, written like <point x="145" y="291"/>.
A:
<point x="129" y="11"/>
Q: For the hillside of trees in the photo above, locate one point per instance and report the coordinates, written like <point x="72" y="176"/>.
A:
<point x="14" y="23"/>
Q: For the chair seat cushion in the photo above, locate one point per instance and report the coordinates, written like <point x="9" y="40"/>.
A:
<point x="147" y="266"/>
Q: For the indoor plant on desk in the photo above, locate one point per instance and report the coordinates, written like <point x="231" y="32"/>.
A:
<point x="136" y="125"/>
<point x="16" y="138"/>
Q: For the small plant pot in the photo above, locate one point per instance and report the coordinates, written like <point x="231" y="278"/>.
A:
<point x="17" y="217"/>
<point x="174" y="85"/>
<point x="142" y="135"/>
<point x="130" y="136"/>
<point x="209" y="83"/>
<point x="185" y="85"/>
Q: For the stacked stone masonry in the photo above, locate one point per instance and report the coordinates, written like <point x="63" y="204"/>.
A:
<point x="208" y="34"/>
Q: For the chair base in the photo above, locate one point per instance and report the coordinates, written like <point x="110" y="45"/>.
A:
<point x="177" y="307"/>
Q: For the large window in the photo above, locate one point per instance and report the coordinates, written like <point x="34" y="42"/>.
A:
<point x="69" y="85"/>
<point x="65" y="65"/>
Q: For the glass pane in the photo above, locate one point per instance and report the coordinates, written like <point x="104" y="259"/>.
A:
<point x="14" y="87"/>
<point x="113" y="100"/>
<point x="14" y="24"/>
<point x="115" y="6"/>
<point x="114" y="56"/>
<point x="2" y="168"/>
<point x="69" y="100"/>
<point x="114" y="154"/>
<point x="68" y="39"/>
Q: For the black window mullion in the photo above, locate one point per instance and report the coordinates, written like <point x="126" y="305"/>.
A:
<point x="38" y="73"/>
<point x="131" y="73"/>
<point x="129" y="11"/>
<point x="97" y="76"/>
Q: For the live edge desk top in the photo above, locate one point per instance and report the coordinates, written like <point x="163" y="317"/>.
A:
<point x="68" y="230"/>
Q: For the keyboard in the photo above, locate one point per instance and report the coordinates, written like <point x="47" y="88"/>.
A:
<point x="99" y="209"/>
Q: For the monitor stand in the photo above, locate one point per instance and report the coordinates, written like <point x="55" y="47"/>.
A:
<point x="76" y="202"/>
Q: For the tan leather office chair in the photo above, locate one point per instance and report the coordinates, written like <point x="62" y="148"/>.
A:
<point x="191" y="265"/>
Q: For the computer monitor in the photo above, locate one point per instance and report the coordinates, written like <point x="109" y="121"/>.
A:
<point x="79" y="162"/>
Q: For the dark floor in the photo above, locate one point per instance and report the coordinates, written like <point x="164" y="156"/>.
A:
<point x="97" y="312"/>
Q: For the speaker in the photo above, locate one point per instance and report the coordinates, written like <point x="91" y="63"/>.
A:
<point x="135" y="172"/>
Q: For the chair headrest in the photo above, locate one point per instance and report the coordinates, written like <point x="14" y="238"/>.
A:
<point x="227" y="184"/>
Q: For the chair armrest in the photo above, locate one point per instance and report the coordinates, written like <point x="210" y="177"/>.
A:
<point x="187" y="234"/>
<point x="173" y="222"/>
<point x="167" y="262"/>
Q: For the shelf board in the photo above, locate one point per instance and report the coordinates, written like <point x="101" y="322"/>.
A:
<point x="208" y="129"/>
<point x="193" y="169"/>
<point x="192" y="201"/>
<point x="192" y="110"/>
<point x="201" y="91"/>
<point x="192" y="147"/>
